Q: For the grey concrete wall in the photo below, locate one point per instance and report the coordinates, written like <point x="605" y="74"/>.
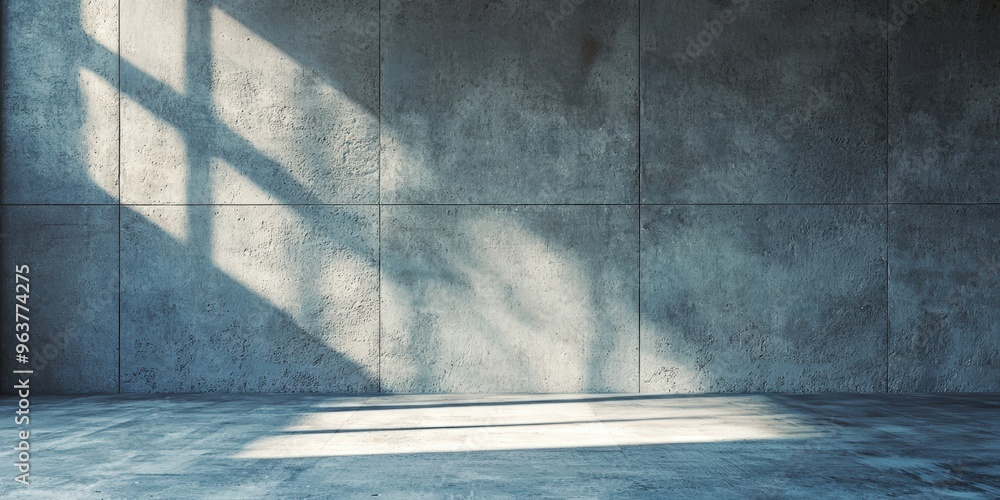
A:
<point x="529" y="298"/>
<point x="503" y="196"/>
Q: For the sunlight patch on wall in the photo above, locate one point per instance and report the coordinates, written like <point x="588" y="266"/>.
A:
<point x="158" y="45"/>
<point x="301" y="261"/>
<point x="229" y="184"/>
<point x="257" y="251"/>
<point x="533" y="296"/>
<point x="100" y="130"/>
<point x="288" y="112"/>
<point x="503" y="309"/>
<point x="96" y="22"/>
<point x="154" y="163"/>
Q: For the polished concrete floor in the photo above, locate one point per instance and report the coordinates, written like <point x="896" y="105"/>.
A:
<point x="448" y="446"/>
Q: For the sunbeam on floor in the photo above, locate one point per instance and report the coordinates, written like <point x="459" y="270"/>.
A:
<point x="513" y="446"/>
<point x="419" y="424"/>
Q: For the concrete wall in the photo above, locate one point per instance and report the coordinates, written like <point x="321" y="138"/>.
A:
<point x="503" y="196"/>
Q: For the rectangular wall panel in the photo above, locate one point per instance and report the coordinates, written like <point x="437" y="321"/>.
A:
<point x="945" y="299"/>
<point x="757" y="299"/>
<point x="944" y="101"/>
<point x="763" y="102"/>
<point x="279" y="299"/>
<point x="71" y="297"/>
<point x="60" y="102"/>
<point x="509" y="299"/>
<point x="515" y="101"/>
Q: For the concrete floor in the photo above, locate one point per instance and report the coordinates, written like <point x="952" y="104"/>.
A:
<point x="450" y="446"/>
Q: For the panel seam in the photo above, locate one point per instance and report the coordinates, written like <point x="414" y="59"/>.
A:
<point x="888" y="135"/>
<point x="638" y="112"/>
<point x="119" y="197"/>
<point x="379" y="199"/>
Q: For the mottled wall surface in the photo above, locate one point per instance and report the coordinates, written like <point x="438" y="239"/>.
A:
<point x="72" y="296"/>
<point x="503" y="196"/>
<point x="945" y="297"/>
<point x="498" y="102"/>
<point x="509" y="298"/>
<point x="763" y="298"/>
<point x="944" y="183"/>
<point x="777" y="101"/>
<point x="944" y="96"/>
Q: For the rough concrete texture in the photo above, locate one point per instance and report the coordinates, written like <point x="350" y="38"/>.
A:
<point x="944" y="298"/>
<point x="757" y="298"/>
<point x="279" y="299"/>
<point x="513" y="101"/>
<point x="945" y="101"/>
<point x="250" y="102"/>
<point x="763" y="102"/>
<point x="313" y="121"/>
<point x="72" y="296"/>
<point x="509" y="299"/>
<point x="558" y="446"/>
<point x="60" y="102"/>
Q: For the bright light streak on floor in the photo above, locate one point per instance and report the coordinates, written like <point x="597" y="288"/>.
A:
<point x="409" y="424"/>
<point x="568" y="446"/>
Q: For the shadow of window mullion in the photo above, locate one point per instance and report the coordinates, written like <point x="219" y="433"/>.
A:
<point x="198" y="137"/>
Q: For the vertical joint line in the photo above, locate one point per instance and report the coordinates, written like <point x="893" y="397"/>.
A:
<point x="888" y="47"/>
<point x="119" y="196"/>
<point x="378" y="61"/>
<point x="638" y="171"/>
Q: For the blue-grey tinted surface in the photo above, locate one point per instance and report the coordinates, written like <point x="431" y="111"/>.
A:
<point x="514" y="101"/>
<point x="945" y="101"/>
<point x="274" y="156"/>
<point x="60" y="102"/>
<point x="70" y="296"/>
<point x="517" y="446"/>
<point x="763" y="102"/>
<point x="279" y="299"/>
<point x="748" y="299"/>
<point x="509" y="299"/>
<point x="945" y="298"/>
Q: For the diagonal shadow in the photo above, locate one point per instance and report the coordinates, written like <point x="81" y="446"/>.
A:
<point x="222" y="337"/>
